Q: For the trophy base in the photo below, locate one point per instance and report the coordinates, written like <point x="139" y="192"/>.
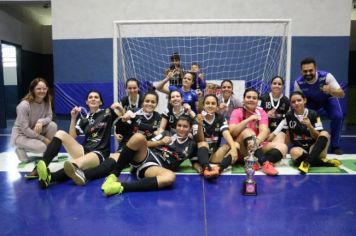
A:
<point x="249" y="189"/>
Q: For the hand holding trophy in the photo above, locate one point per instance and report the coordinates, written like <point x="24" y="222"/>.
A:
<point x="249" y="187"/>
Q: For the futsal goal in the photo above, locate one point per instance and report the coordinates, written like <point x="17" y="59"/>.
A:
<point x="250" y="50"/>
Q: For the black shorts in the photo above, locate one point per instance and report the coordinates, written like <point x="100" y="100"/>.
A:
<point x="150" y="160"/>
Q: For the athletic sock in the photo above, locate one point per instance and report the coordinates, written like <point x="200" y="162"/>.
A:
<point x="225" y="162"/>
<point x="259" y="154"/>
<point x="273" y="155"/>
<point x="145" y="184"/>
<point x="301" y="158"/>
<point x="59" y="176"/>
<point x="319" y="146"/>
<point x="203" y="157"/>
<point x="124" y="160"/>
<point x="101" y="170"/>
<point x="52" y="150"/>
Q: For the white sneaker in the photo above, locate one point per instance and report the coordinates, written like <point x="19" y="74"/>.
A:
<point x="21" y="154"/>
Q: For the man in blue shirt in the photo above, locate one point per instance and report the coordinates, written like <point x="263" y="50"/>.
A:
<point x="322" y="92"/>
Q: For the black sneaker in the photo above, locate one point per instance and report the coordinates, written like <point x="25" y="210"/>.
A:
<point x="337" y="151"/>
<point x="75" y="173"/>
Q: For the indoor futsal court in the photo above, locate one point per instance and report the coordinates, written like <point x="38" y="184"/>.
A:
<point x="320" y="203"/>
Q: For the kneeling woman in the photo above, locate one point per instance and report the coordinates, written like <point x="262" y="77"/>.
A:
<point x="209" y="131"/>
<point x="96" y="127"/>
<point x="154" y="166"/>
<point x="310" y="141"/>
<point x="252" y="121"/>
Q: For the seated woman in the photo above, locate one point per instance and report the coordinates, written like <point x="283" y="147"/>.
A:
<point x="133" y="100"/>
<point x="154" y="166"/>
<point x="276" y="105"/>
<point x="227" y="101"/>
<point x="174" y="110"/>
<point x="209" y="131"/>
<point x="145" y="121"/>
<point x="189" y="95"/>
<point x="96" y="127"/>
<point x="310" y="141"/>
<point x="251" y="121"/>
<point x="33" y="129"/>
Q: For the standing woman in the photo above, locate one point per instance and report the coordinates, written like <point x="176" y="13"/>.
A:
<point x="227" y="101"/>
<point x="189" y="95"/>
<point x="96" y="127"/>
<point x="310" y="141"/>
<point x="33" y="129"/>
<point x="209" y="131"/>
<point x="174" y="110"/>
<point x="276" y="105"/>
<point x="133" y="100"/>
<point x="251" y="121"/>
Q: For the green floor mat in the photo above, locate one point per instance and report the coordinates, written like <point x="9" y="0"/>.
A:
<point x="351" y="164"/>
<point x="237" y="169"/>
<point x="186" y="167"/>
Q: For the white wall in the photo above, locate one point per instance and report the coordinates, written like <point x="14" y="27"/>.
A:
<point x="93" y="19"/>
<point x="34" y="38"/>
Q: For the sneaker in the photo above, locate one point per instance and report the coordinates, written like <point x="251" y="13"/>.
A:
<point x="21" y="155"/>
<point x="304" y="167"/>
<point x="108" y="180"/>
<point x="32" y="175"/>
<point x="112" y="188"/>
<point x="210" y="173"/>
<point x="331" y="162"/>
<point x="256" y="166"/>
<point x="337" y="151"/>
<point x="269" y="169"/>
<point x="44" y="176"/>
<point x="75" y="173"/>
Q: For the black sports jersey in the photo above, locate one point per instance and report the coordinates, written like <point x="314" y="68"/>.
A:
<point x="172" y="155"/>
<point x="127" y="105"/>
<point x="172" y="117"/>
<point x="281" y="106"/>
<point x="141" y="123"/>
<point x="213" y="131"/>
<point x="299" y="133"/>
<point x="97" y="130"/>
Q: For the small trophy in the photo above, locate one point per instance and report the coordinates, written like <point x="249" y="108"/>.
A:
<point x="249" y="187"/>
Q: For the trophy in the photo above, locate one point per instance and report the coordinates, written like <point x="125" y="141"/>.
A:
<point x="249" y="187"/>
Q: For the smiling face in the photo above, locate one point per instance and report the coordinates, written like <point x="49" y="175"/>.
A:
<point x="298" y="103"/>
<point x="187" y="81"/>
<point x="94" y="101"/>
<point x="251" y="100"/>
<point x="149" y="103"/>
<point x="175" y="99"/>
<point x="277" y="86"/>
<point x="308" y="71"/>
<point x="132" y="88"/>
<point x="40" y="91"/>
<point x="183" y="128"/>
<point x="226" y="89"/>
<point x="210" y="104"/>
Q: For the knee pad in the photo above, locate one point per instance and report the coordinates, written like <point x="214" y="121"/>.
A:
<point x="273" y="155"/>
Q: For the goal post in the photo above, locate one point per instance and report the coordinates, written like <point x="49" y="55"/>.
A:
<point x="253" y="50"/>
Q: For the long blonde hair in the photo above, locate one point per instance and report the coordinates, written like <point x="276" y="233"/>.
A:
<point x="30" y="96"/>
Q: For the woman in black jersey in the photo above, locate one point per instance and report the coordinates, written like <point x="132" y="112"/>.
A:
<point x="276" y="105"/>
<point x="174" y="110"/>
<point x="310" y="141"/>
<point x="209" y="131"/>
<point x="96" y="127"/>
<point x="144" y="121"/>
<point x="154" y="166"/>
<point x="133" y="100"/>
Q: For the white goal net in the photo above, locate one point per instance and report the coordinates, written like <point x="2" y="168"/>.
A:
<point x="250" y="50"/>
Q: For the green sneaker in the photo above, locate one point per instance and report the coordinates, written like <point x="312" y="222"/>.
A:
<point x="113" y="188"/>
<point x="331" y="162"/>
<point x="44" y="176"/>
<point x="304" y="167"/>
<point x="108" y="180"/>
